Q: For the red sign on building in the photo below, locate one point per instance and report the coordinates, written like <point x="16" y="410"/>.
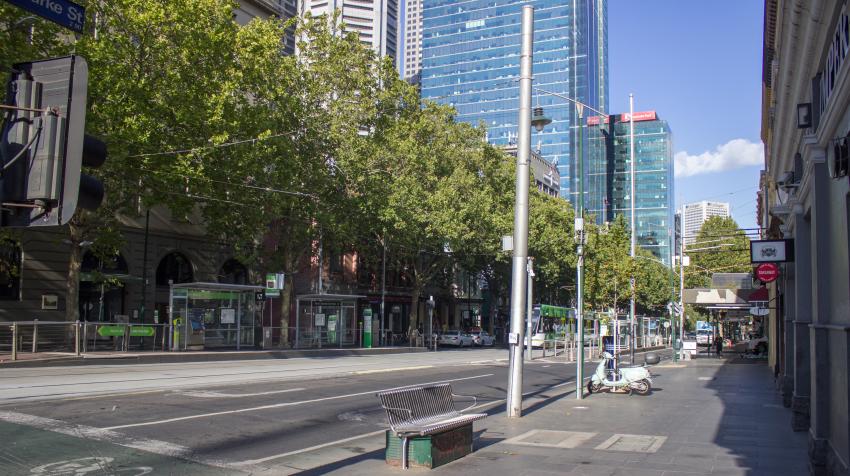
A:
<point x="639" y="116"/>
<point x="767" y="272"/>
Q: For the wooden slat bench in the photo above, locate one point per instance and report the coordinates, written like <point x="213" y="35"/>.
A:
<point x="424" y="410"/>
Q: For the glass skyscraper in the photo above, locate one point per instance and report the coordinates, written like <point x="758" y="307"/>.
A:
<point x="470" y="59"/>
<point x="654" y="200"/>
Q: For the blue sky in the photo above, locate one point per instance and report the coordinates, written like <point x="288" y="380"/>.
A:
<point x="698" y="64"/>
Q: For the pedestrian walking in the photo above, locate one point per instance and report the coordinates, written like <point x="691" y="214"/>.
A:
<point x="718" y="342"/>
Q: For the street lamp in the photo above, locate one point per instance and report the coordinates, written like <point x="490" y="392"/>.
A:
<point x="430" y="303"/>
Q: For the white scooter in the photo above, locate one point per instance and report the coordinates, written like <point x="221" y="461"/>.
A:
<point x="631" y="379"/>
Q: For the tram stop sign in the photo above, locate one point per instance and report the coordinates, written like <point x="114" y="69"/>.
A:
<point x="767" y="272"/>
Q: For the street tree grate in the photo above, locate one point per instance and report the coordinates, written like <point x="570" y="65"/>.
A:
<point x="633" y="443"/>
<point x="551" y="438"/>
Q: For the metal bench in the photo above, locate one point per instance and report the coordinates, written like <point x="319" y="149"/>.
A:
<point x="424" y="410"/>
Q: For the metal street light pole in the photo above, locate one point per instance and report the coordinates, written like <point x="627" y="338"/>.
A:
<point x="528" y="310"/>
<point x="579" y="227"/>
<point x="672" y="239"/>
<point x="632" y="335"/>
<point x="518" y="272"/>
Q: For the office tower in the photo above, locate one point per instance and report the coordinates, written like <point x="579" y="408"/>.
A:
<point x="470" y="59"/>
<point x="654" y="205"/>
<point x="695" y="214"/>
<point x="375" y="21"/>
<point x="412" y="49"/>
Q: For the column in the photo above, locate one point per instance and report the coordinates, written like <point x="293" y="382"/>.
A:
<point x="820" y="364"/>
<point x="799" y="350"/>
<point x="788" y="313"/>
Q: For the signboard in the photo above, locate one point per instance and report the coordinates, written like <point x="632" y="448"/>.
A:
<point x="767" y="272"/>
<point x="771" y="251"/>
<point x="759" y="311"/>
<point x="275" y="280"/>
<point x="260" y="296"/>
<point x="666" y="324"/>
<point x="118" y="331"/>
<point x="228" y="316"/>
<point x="320" y="319"/>
<point x="62" y="12"/>
<point x="703" y="325"/>
<point x="513" y="338"/>
<point x="367" y="328"/>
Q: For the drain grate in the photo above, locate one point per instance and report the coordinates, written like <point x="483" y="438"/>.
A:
<point x="633" y="443"/>
<point x="551" y="438"/>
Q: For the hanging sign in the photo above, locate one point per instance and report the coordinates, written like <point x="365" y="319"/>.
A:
<point x="771" y="251"/>
<point x="767" y="272"/>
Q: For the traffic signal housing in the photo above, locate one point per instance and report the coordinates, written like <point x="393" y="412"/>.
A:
<point x="44" y="146"/>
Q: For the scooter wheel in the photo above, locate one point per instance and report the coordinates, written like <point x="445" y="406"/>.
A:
<point x="590" y="387"/>
<point x="642" y="387"/>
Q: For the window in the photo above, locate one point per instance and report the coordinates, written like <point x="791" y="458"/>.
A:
<point x="174" y="267"/>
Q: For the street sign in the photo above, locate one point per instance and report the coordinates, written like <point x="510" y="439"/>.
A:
<point x="260" y="296"/>
<point x="666" y="324"/>
<point x="118" y="331"/>
<point x="62" y="12"/>
<point x="767" y="272"/>
<point x="759" y="311"/>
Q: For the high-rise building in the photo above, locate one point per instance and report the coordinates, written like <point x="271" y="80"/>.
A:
<point x="654" y="205"/>
<point x="470" y="59"/>
<point x="375" y="21"/>
<point x="695" y="214"/>
<point x="412" y="43"/>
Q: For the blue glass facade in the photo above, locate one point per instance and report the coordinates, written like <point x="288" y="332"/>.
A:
<point x="470" y="59"/>
<point x="654" y="199"/>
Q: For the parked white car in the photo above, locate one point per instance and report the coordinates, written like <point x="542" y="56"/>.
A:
<point x="481" y="338"/>
<point x="705" y="337"/>
<point x="455" y="338"/>
<point x="757" y="345"/>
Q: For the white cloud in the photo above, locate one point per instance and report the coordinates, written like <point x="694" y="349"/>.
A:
<point x="734" y="154"/>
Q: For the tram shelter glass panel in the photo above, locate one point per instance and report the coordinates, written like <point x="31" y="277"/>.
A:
<point x="213" y="315"/>
<point x="327" y="320"/>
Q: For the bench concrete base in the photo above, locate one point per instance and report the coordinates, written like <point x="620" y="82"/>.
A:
<point x="433" y="450"/>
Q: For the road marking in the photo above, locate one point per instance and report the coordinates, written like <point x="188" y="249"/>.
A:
<point x="378" y="371"/>
<point x="211" y="394"/>
<point x="99" y="434"/>
<point x="279" y="405"/>
<point x="546" y="366"/>
<point x="306" y="450"/>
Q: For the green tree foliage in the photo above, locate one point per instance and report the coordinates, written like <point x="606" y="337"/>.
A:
<point x="720" y="247"/>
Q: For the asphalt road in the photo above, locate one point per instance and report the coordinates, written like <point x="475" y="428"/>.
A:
<point x="256" y="417"/>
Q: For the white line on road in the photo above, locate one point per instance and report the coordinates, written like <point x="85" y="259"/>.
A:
<point x="211" y="394"/>
<point x="99" y="434"/>
<point x="306" y="450"/>
<point x="278" y="405"/>
<point x="378" y="371"/>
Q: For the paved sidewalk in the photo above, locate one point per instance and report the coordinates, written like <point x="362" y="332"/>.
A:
<point x="705" y="417"/>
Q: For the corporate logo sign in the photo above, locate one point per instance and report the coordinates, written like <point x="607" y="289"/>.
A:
<point x="771" y="251"/>
<point x="62" y="12"/>
<point x="639" y="117"/>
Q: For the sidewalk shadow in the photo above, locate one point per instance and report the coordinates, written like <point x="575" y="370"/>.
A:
<point x="377" y="455"/>
<point x="754" y="427"/>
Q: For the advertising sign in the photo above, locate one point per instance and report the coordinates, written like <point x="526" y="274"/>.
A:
<point x="771" y="251"/>
<point x="62" y="12"/>
<point x="767" y="272"/>
<point x="228" y="316"/>
<point x="367" y="328"/>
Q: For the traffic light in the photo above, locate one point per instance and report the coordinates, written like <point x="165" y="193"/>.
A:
<point x="44" y="146"/>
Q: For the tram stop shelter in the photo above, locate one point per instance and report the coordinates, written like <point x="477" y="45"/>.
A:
<point x="328" y="320"/>
<point x="213" y="315"/>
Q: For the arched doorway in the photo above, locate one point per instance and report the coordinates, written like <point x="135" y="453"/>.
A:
<point x="174" y="268"/>
<point x="101" y="292"/>
<point x="233" y="272"/>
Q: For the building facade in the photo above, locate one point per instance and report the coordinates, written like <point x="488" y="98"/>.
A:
<point x="806" y="198"/>
<point x="470" y="60"/>
<point x="376" y="22"/>
<point x="654" y="188"/>
<point x="695" y="214"/>
<point x="246" y="10"/>
<point x="411" y="62"/>
<point x="545" y="174"/>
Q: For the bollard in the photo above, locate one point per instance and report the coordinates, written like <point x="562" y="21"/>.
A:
<point x="34" y="336"/>
<point x="14" y="341"/>
<point x="77" y="338"/>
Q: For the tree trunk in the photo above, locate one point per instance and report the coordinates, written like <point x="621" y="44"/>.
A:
<point x="72" y="299"/>
<point x="414" y="307"/>
<point x="285" y="308"/>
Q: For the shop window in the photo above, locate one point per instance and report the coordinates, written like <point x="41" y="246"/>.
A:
<point x="174" y="267"/>
<point x="10" y="270"/>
